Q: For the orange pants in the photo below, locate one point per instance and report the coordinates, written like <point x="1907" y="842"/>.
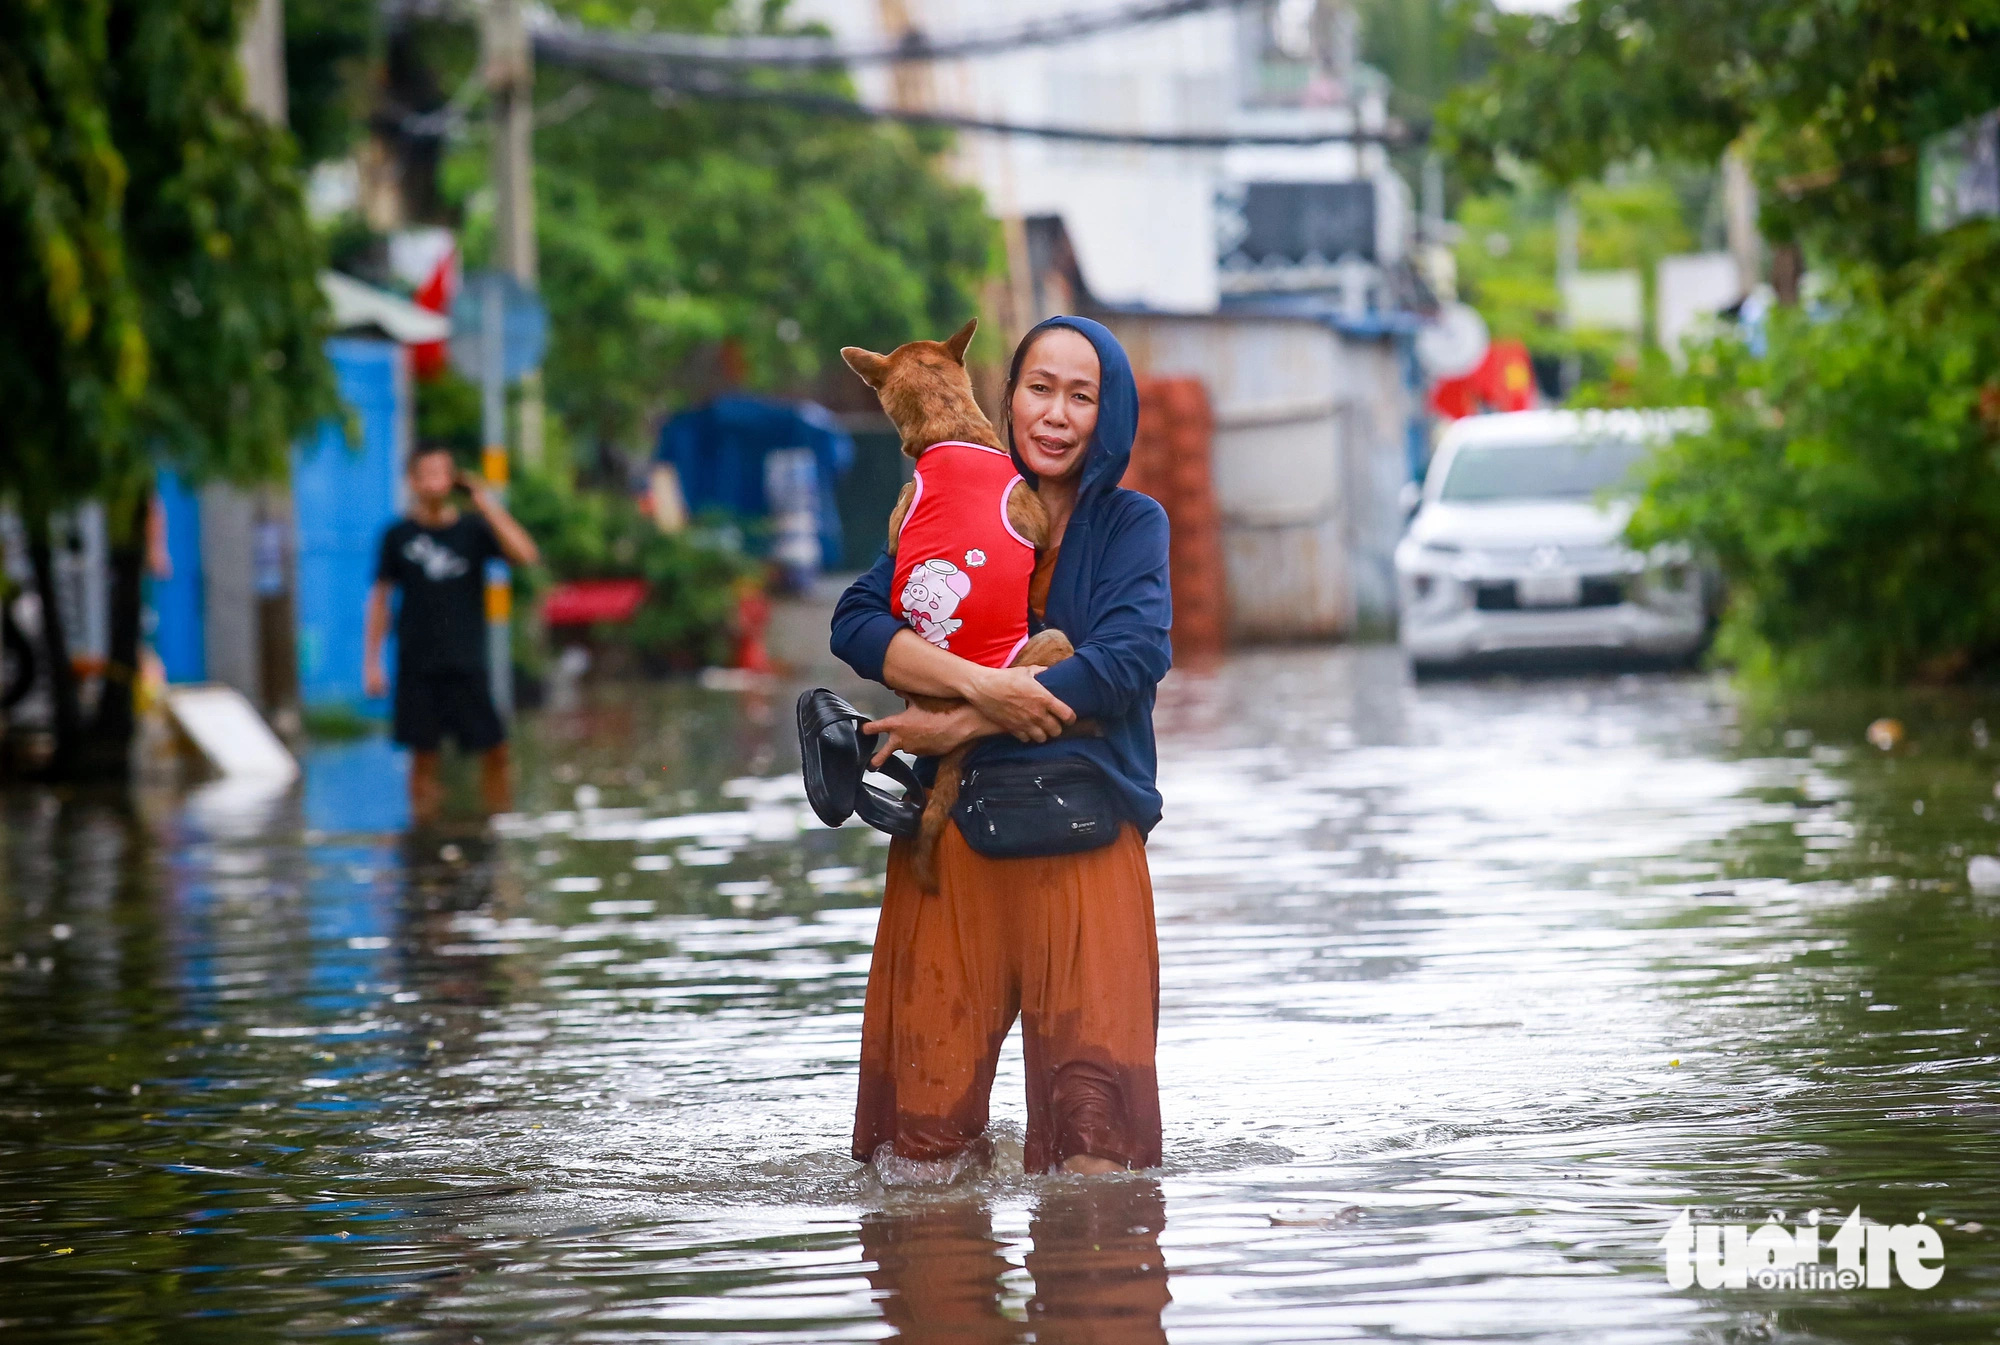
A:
<point x="1067" y="945"/>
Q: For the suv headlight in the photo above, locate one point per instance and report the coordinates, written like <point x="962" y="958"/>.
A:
<point x="1669" y="574"/>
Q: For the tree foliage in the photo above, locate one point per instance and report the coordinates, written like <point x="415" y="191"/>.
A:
<point x="669" y="227"/>
<point x="219" y="247"/>
<point x="1427" y="48"/>
<point x="693" y="576"/>
<point x="1850" y="484"/>
<point x="1506" y="255"/>
<point x="665" y="232"/>
<point x="1834" y="96"/>
<point x="163" y="302"/>
<point x="330" y="48"/>
<point x="72" y="350"/>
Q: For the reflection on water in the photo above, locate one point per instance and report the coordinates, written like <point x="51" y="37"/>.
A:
<point x="1468" y="989"/>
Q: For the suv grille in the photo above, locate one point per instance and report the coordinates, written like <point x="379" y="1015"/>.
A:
<point x="1499" y="595"/>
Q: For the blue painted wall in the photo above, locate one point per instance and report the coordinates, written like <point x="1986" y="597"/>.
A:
<point x="175" y="602"/>
<point x="345" y="495"/>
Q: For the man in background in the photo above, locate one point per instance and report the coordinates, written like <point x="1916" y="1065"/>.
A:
<point x="437" y="556"/>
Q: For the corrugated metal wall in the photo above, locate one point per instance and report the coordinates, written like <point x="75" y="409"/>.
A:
<point x="1309" y="455"/>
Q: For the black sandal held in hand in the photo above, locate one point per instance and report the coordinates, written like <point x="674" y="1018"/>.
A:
<point x="834" y="753"/>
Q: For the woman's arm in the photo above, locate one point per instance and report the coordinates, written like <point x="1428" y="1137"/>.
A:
<point x="1008" y="698"/>
<point x="1126" y="651"/>
<point x="863" y="624"/>
<point x="871" y="639"/>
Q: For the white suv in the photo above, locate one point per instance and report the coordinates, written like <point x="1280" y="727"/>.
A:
<point x="1518" y="545"/>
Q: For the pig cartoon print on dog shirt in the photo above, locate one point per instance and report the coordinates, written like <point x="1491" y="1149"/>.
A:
<point x="930" y="596"/>
<point x="962" y="571"/>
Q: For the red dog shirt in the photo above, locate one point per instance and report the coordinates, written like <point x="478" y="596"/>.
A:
<point x="961" y="569"/>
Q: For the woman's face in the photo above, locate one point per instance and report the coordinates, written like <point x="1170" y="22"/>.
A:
<point x="1055" y="403"/>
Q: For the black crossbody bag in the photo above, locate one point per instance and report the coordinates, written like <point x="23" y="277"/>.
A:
<point x="1032" y="809"/>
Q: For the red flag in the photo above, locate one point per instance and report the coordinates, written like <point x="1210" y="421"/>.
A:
<point x="1510" y="377"/>
<point x="1503" y="381"/>
<point x="436" y="294"/>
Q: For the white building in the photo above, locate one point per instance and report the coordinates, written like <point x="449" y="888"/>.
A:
<point x="1151" y="226"/>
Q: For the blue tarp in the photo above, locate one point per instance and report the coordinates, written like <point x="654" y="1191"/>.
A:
<point x="718" y="450"/>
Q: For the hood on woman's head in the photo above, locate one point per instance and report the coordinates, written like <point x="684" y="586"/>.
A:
<point x="1110" y="449"/>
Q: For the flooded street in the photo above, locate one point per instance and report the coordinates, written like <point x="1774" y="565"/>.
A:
<point x="1468" y="989"/>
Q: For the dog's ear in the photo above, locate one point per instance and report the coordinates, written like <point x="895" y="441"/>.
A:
<point x="960" y="339"/>
<point x="873" y="368"/>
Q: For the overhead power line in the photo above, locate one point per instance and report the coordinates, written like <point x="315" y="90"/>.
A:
<point x="674" y="76"/>
<point x="824" y="52"/>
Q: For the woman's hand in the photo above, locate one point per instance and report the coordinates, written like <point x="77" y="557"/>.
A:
<point x="927" y="733"/>
<point x="1017" y="704"/>
<point x="1010" y="700"/>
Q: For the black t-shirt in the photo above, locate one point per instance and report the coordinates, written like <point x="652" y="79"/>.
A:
<point x="442" y="572"/>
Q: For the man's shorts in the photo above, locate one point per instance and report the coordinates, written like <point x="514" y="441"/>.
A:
<point x="433" y="705"/>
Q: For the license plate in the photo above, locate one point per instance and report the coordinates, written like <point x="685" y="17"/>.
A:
<point x="1549" y="590"/>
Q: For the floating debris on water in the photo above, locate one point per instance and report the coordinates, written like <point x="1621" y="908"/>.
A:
<point x="1341" y="1217"/>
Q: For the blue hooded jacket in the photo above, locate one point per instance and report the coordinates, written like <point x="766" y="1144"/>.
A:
<point x="1109" y="594"/>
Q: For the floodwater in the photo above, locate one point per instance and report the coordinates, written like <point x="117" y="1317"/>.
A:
<point x="1468" y="990"/>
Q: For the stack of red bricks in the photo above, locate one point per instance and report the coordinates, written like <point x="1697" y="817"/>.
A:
<point x="1171" y="462"/>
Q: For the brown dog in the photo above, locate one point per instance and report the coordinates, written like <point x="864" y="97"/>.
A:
<point x="927" y="395"/>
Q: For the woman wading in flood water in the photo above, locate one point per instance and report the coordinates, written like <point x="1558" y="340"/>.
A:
<point x="1064" y="941"/>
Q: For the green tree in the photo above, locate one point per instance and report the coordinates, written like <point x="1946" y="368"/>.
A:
<point x="169" y="307"/>
<point x="1506" y="255"/>
<point x="1427" y="48"/>
<point x="330" y="51"/>
<point x="665" y="232"/>
<point x="1835" y="96"/>
<point x="1850" y="484"/>
<point x="72" y="349"/>
<point x="669" y="227"/>
<point x="220" y="246"/>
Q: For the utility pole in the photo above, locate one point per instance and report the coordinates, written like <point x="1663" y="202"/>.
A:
<point x="1739" y="217"/>
<point x="910" y="81"/>
<point x="509" y="63"/>
<point x="507" y="60"/>
<point x="261" y="52"/>
<point x="271" y="545"/>
<point x="1566" y="268"/>
<point x="493" y="429"/>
